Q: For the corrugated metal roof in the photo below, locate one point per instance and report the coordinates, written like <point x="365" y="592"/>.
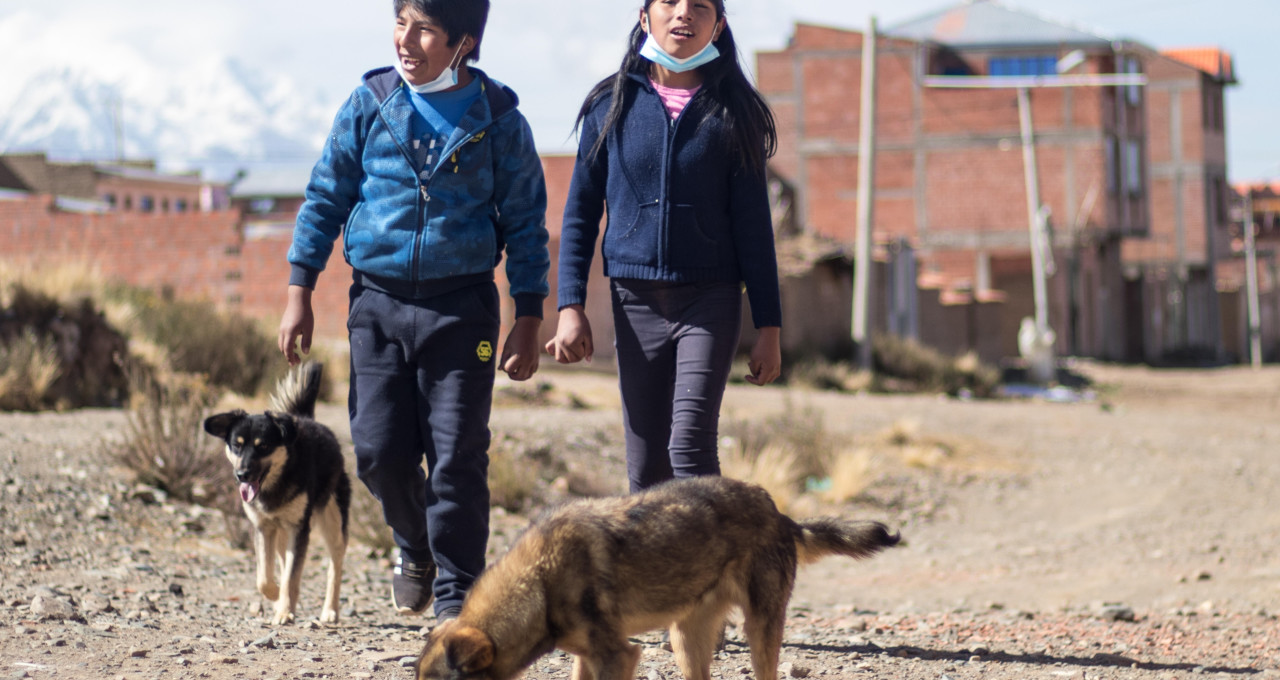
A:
<point x="275" y="182"/>
<point x="990" y="24"/>
<point x="1212" y="60"/>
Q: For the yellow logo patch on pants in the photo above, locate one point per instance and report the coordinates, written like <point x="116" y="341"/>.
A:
<point x="484" y="350"/>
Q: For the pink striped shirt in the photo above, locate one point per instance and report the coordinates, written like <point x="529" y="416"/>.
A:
<point x="674" y="98"/>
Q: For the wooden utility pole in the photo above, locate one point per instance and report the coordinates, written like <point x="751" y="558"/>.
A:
<point x="1042" y="371"/>
<point x="1251" y="283"/>
<point x="861" y="330"/>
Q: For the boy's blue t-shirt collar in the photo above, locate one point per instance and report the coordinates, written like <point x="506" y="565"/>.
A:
<point x="450" y="107"/>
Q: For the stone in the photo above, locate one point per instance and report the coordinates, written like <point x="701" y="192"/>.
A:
<point x="51" y="608"/>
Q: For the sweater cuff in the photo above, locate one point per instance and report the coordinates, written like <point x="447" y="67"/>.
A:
<point x="528" y="304"/>
<point x="302" y="275"/>
<point x="571" y="296"/>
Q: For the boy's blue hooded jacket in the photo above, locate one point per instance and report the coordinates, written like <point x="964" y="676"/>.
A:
<point x="413" y="237"/>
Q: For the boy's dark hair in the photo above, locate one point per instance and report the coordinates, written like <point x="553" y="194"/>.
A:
<point x="747" y="117"/>
<point x="456" y="17"/>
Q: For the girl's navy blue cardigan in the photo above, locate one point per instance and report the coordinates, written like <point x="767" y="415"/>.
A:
<point x="682" y="207"/>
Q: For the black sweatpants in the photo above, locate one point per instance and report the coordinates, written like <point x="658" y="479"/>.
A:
<point x="422" y="375"/>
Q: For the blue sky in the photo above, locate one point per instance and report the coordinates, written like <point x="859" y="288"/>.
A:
<point x="552" y="53"/>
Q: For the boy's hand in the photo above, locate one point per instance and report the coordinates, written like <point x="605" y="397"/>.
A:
<point x="520" y="351"/>
<point x="766" y="357"/>
<point x="573" y="341"/>
<point x="298" y="322"/>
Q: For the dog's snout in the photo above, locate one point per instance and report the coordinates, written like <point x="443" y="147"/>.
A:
<point x="243" y="476"/>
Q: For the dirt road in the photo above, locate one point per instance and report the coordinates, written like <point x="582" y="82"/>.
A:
<point x="1129" y="535"/>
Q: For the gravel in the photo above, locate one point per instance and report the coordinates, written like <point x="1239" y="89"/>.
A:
<point x="1129" y="534"/>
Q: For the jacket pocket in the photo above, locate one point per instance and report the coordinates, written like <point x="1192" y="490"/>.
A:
<point x="688" y="244"/>
<point x="637" y="242"/>
<point x="347" y="230"/>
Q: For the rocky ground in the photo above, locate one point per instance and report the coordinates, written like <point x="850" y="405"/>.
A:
<point x="1128" y="534"/>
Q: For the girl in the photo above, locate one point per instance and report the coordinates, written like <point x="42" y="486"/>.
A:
<point x="675" y="144"/>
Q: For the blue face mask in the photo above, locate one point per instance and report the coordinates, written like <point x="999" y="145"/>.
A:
<point x="654" y="53"/>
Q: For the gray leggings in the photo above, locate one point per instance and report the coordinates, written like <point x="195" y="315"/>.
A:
<point x="675" y="347"/>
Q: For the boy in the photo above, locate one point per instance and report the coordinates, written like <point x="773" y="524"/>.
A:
<point x="431" y="172"/>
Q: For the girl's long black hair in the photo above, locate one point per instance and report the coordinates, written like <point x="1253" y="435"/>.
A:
<point x="746" y="116"/>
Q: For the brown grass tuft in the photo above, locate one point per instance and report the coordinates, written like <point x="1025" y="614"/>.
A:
<point x="28" y="368"/>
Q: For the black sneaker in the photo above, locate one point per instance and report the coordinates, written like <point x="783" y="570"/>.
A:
<point x="411" y="586"/>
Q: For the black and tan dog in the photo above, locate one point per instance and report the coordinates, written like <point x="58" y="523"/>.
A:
<point x="292" y="480"/>
<point x="681" y="555"/>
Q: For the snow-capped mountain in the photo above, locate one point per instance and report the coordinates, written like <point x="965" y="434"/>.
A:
<point x="217" y="113"/>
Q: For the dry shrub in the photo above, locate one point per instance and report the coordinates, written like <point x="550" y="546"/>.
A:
<point x="365" y="522"/>
<point x="165" y="444"/>
<point x="232" y="350"/>
<point x="536" y="395"/>
<point x="835" y="376"/>
<point x="28" y="368"/>
<point x="774" y="468"/>
<point x="511" y="486"/>
<point x="36" y="328"/>
<point x="904" y="365"/>
<point x="904" y="441"/>
<point x="799" y="431"/>
<point x="64" y="281"/>
<point x="851" y="474"/>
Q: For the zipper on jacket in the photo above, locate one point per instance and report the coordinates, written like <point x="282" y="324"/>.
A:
<point x="664" y="199"/>
<point x="420" y="231"/>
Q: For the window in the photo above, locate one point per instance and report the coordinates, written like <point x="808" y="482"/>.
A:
<point x="180" y="205"/>
<point x="110" y="200"/>
<point x="1133" y="93"/>
<point x="1212" y="107"/>
<point x="1040" y="65"/>
<point x="146" y="204"/>
<point x="1113" y="166"/>
<point x="262" y="205"/>
<point x="1133" y="167"/>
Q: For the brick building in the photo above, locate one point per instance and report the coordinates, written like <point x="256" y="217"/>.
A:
<point x="949" y="175"/>
<point x="1171" y="274"/>
<point x="1257" y="205"/>
<point x="124" y="186"/>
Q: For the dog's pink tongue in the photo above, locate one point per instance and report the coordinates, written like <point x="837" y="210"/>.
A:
<point x="248" y="492"/>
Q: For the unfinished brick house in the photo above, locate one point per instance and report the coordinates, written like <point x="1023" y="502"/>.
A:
<point x="949" y="174"/>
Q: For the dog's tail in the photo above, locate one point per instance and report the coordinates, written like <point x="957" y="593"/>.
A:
<point x="297" y="392"/>
<point x="834" y="536"/>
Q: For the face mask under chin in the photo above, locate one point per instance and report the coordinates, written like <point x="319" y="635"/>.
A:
<point x="652" y="51"/>
<point x="447" y="78"/>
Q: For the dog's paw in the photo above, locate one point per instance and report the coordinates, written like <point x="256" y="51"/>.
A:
<point x="329" y="616"/>
<point x="282" y="617"/>
<point x="269" y="590"/>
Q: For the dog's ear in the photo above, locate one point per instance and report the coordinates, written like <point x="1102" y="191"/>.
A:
<point x="287" y="426"/>
<point x="220" y="425"/>
<point x="468" y="650"/>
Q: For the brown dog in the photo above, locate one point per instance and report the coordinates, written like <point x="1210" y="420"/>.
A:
<point x="587" y="576"/>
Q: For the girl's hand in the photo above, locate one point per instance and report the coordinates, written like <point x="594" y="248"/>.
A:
<point x="572" y="342"/>
<point x="766" y="357"/>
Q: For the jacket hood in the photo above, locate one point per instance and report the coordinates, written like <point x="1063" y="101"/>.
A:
<point x="384" y="81"/>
